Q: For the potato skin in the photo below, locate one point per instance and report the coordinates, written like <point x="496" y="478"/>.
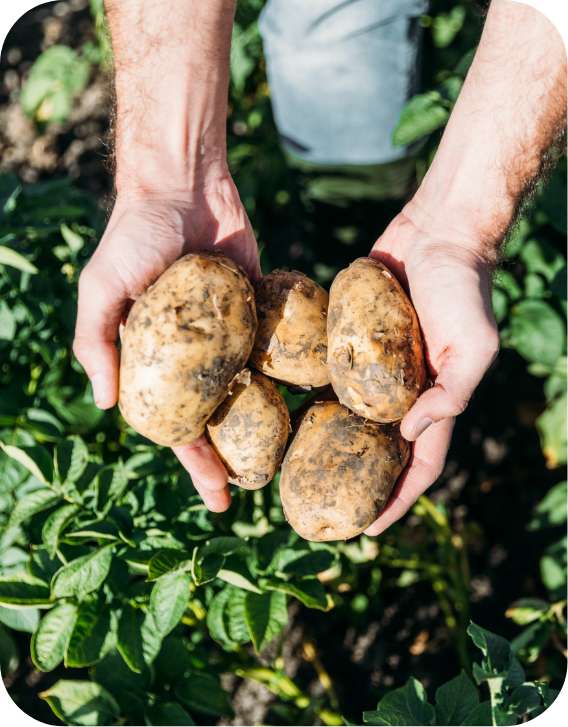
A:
<point x="184" y="341"/>
<point x="249" y="430"/>
<point x="375" y="356"/>
<point x="339" y="472"/>
<point x="291" y="341"/>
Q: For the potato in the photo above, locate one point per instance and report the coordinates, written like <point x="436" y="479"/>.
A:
<point x="249" y="430"/>
<point x="291" y="341"/>
<point x="375" y="357"/>
<point x="339" y="472"/>
<point x="184" y="341"/>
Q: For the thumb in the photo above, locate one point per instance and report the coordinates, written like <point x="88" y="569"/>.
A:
<point x="99" y="312"/>
<point x="459" y="376"/>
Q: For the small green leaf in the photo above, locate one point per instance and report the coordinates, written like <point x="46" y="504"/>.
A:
<point x="553" y="568"/>
<point x="526" y="610"/>
<point x="308" y="591"/>
<point x="167" y="560"/>
<point x="129" y="643"/>
<point x="72" y="238"/>
<point x="407" y="705"/>
<point x="421" y="116"/>
<point x="83" y="575"/>
<point x="537" y="331"/>
<point x="81" y="703"/>
<point x="446" y="26"/>
<point x="8" y="323"/>
<point x="551" y="510"/>
<point x="266" y="615"/>
<point x="55" y="524"/>
<point x="52" y="636"/>
<point x="87" y="642"/>
<point x="23" y="619"/>
<point x="551" y="427"/>
<point x="13" y="259"/>
<point x="71" y="457"/>
<point x="217" y="620"/>
<point x="168" y="600"/>
<point x="111" y="483"/>
<point x="455" y="700"/>
<point x="35" y="459"/>
<point x="310" y="564"/>
<point x="31" y="504"/>
<point x="22" y="590"/>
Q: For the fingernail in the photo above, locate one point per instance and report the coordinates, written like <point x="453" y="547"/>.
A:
<point x="422" y="426"/>
<point x="102" y="393"/>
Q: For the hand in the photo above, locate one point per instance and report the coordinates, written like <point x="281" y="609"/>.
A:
<point x="146" y="233"/>
<point x="450" y="287"/>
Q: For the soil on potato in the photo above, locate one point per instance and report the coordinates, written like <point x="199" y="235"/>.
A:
<point x="495" y="472"/>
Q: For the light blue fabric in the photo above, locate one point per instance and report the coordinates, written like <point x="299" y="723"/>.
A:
<point x="340" y="72"/>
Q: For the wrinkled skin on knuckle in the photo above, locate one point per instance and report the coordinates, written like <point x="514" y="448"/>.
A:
<point x="339" y="472"/>
<point x="184" y="341"/>
<point x="250" y="429"/>
<point x="291" y="342"/>
<point x="375" y="351"/>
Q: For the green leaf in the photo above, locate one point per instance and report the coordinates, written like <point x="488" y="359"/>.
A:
<point x="71" y="457"/>
<point x="551" y="510"/>
<point x="407" y="705"/>
<point x="168" y="713"/>
<point x="498" y="657"/>
<point x="537" y="331"/>
<point x="541" y="257"/>
<point x="456" y="700"/>
<point x="151" y="638"/>
<point x="87" y="643"/>
<point x="26" y="619"/>
<point x="72" y="238"/>
<point x="236" y="616"/>
<point x="9" y="655"/>
<point x="553" y="568"/>
<point x="265" y="615"/>
<point x="13" y="259"/>
<point x="31" y="504"/>
<point x="168" y="600"/>
<point x="35" y="459"/>
<point x="310" y="564"/>
<point x="112" y="481"/>
<point x="55" y="524"/>
<point x="530" y="642"/>
<point x="308" y="591"/>
<point x="551" y="427"/>
<point x="524" y="699"/>
<point x="422" y="115"/>
<point x="7" y="323"/>
<point x="167" y="560"/>
<point x="217" y="620"/>
<point x="83" y="575"/>
<point x="203" y="693"/>
<point x="446" y="26"/>
<point x="526" y="610"/>
<point x="22" y="590"/>
<point x="237" y="573"/>
<point x="52" y="636"/>
<point x="53" y="81"/>
<point x="129" y="643"/>
<point x="81" y="703"/>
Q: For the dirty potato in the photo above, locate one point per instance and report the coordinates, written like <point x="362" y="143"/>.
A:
<point x="339" y="472"/>
<point x="249" y="430"/>
<point x="375" y="357"/>
<point x="291" y="341"/>
<point x="184" y="341"/>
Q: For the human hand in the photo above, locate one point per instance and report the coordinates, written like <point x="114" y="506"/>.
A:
<point x="450" y="286"/>
<point x="146" y="233"/>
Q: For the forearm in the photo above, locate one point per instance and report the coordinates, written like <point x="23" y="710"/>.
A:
<point x="511" y="109"/>
<point x="171" y="78"/>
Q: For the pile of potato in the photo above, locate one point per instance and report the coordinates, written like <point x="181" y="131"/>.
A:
<point x="185" y="350"/>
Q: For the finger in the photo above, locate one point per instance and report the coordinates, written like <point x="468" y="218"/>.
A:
<point x="459" y="376"/>
<point x="99" y="311"/>
<point x="425" y="467"/>
<point x="207" y="473"/>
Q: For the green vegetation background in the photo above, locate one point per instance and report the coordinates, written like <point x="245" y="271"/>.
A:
<point x="122" y="600"/>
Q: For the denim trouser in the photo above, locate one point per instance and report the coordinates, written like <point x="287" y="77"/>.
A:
<point x="340" y="72"/>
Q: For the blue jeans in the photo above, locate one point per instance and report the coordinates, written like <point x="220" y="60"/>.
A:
<point x="340" y="72"/>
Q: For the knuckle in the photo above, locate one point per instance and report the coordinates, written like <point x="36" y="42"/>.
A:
<point x="458" y="405"/>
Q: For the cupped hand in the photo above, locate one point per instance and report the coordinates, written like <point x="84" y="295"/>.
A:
<point x="450" y="286"/>
<point x="146" y="233"/>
